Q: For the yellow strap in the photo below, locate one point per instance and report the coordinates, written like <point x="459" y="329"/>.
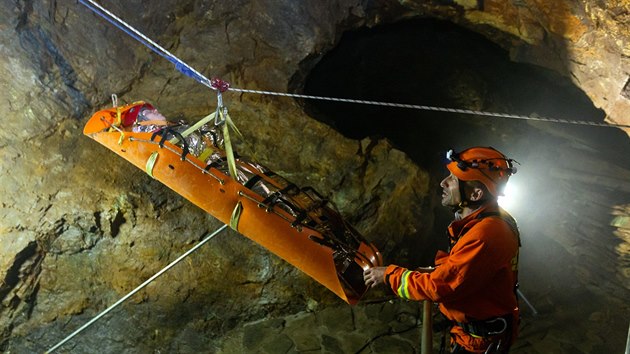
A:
<point x="198" y="125"/>
<point x="221" y="115"/>
<point x="236" y="216"/>
<point x="118" y="119"/>
<point x="122" y="137"/>
<point x="229" y="121"/>
<point x="151" y="163"/>
<point x="194" y="127"/>
<point x="118" y="116"/>
<point x="112" y="128"/>
<point x="206" y="154"/>
<point x="229" y="152"/>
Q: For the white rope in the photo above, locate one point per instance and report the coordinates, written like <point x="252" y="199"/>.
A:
<point x="432" y="108"/>
<point x="169" y="266"/>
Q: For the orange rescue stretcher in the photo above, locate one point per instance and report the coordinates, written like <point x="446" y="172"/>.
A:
<point x="294" y="223"/>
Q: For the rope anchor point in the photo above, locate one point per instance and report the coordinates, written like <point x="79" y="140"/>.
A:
<point x="219" y="84"/>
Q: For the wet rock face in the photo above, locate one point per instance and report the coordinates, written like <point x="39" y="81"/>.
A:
<point x="80" y="227"/>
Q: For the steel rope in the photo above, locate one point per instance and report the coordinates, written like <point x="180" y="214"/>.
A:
<point x="431" y="108"/>
<point x="169" y="266"/>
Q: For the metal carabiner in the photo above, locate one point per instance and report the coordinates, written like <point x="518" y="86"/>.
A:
<point x="505" y="325"/>
<point x="495" y="350"/>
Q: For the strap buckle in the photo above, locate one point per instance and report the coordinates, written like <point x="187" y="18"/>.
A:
<point x="486" y="328"/>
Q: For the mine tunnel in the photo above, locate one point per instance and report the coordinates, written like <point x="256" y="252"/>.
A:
<point x="81" y="227"/>
<point x="439" y="64"/>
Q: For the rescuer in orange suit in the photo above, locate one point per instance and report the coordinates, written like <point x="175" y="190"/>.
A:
<point x="475" y="282"/>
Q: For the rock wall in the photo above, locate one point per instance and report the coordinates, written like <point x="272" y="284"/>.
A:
<point x="584" y="40"/>
<point x="80" y="227"/>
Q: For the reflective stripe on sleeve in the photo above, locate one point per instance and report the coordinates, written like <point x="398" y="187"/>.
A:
<point x="403" y="290"/>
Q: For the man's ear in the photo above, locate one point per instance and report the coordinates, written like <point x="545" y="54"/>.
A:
<point x="476" y="194"/>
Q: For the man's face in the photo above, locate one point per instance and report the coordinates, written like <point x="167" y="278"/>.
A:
<point x="152" y="115"/>
<point x="451" y="196"/>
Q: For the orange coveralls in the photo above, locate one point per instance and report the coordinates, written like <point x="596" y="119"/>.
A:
<point x="475" y="281"/>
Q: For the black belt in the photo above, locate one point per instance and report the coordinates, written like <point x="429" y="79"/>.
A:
<point x="487" y="328"/>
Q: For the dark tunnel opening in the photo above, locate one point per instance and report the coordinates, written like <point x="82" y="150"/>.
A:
<point x="435" y="63"/>
<point x="571" y="176"/>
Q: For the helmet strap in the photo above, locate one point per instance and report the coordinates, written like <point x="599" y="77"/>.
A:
<point x="463" y="202"/>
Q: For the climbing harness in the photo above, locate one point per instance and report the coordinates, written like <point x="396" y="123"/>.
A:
<point x="487" y="328"/>
<point x="140" y="287"/>
<point x="224" y="87"/>
<point x="498" y="329"/>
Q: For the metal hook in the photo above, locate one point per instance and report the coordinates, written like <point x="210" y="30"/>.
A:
<point x="505" y="325"/>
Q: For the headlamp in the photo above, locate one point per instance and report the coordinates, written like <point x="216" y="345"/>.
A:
<point x="453" y="156"/>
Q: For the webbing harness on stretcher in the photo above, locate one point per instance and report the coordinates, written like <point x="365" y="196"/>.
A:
<point x="221" y="118"/>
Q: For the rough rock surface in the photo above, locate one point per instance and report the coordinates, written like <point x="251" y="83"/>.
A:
<point x="585" y="40"/>
<point x="79" y="227"/>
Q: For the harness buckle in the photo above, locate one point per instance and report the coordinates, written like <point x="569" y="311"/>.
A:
<point x="487" y="328"/>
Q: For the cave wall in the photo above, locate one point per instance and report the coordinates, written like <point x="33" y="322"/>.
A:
<point x="80" y="228"/>
<point x="584" y="40"/>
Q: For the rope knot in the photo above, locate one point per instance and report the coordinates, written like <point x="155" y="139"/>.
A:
<point x="219" y="84"/>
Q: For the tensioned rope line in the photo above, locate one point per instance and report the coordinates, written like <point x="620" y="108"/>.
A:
<point x="169" y="266"/>
<point x="187" y="70"/>
<point x="433" y="108"/>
